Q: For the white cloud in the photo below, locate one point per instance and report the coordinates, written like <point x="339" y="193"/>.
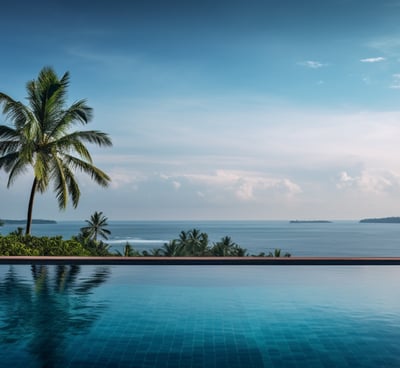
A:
<point x="345" y="180"/>
<point x="372" y="181"/>
<point x="120" y="178"/>
<point x="373" y="59"/>
<point x="245" y="185"/>
<point x="268" y="158"/>
<point x="312" y="64"/>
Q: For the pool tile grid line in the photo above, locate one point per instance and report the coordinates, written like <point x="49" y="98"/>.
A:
<point x="201" y="261"/>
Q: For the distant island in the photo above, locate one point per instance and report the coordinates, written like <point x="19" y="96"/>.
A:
<point x="383" y="220"/>
<point x="22" y="222"/>
<point x="310" y="222"/>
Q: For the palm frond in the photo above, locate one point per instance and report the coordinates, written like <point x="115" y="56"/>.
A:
<point x="47" y="96"/>
<point x="60" y="183"/>
<point x="78" y="112"/>
<point x="65" y="183"/>
<point x="90" y="136"/>
<point x="7" y="147"/>
<point x="15" y="110"/>
<point x="41" y="171"/>
<point x="73" y="187"/>
<point x="17" y="168"/>
<point x="7" y="132"/>
<point x="99" y="176"/>
<point x="70" y="144"/>
<point x="8" y="161"/>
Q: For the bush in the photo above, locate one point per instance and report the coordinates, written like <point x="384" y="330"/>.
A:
<point x="13" y="245"/>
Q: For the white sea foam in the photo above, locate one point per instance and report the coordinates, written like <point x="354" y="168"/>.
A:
<point x="136" y="241"/>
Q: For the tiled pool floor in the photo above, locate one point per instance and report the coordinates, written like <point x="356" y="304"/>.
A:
<point x="124" y="316"/>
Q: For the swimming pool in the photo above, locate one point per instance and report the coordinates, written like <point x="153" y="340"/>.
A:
<point x="199" y="316"/>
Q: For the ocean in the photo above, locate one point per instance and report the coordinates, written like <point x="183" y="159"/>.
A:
<point x="339" y="238"/>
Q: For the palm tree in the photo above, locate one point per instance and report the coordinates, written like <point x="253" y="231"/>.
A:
<point x="41" y="138"/>
<point x="96" y="227"/>
<point x="227" y="248"/>
<point x="194" y="242"/>
<point x="128" y="251"/>
<point x="173" y="249"/>
<point x="278" y="253"/>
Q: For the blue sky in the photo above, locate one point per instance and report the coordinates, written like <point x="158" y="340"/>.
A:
<point x="221" y="109"/>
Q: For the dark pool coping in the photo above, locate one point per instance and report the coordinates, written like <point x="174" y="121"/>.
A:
<point x="261" y="261"/>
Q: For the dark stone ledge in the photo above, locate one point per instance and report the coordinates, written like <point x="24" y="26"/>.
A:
<point x="201" y="261"/>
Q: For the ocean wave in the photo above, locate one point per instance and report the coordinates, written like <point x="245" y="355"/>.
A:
<point x="136" y="241"/>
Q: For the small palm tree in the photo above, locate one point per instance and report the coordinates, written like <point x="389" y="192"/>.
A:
<point x="96" y="227"/>
<point x="227" y="248"/>
<point x="128" y="251"/>
<point x="41" y="138"/>
<point x="194" y="242"/>
<point x="173" y="249"/>
<point x="278" y="253"/>
<point x="155" y="252"/>
<point x="19" y="232"/>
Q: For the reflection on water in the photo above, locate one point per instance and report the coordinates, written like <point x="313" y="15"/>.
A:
<point x="38" y="316"/>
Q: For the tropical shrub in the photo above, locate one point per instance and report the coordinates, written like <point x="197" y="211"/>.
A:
<point x="97" y="248"/>
<point x="11" y="245"/>
<point x="14" y="245"/>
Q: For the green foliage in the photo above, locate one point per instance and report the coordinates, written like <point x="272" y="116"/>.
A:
<point x="227" y="248"/>
<point x="277" y="252"/>
<point x="98" y="248"/>
<point x="194" y="243"/>
<point x="14" y="245"/>
<point x="128" y="251"/>
<point x="173" y="249"/>
<point x="94" y="247"/>
<point x="19" y="231"/>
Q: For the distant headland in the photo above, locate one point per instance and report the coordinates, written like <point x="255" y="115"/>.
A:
<point x="383" y="220"/>
<point x="22" y="222"/>
<point x="310" y="222"/>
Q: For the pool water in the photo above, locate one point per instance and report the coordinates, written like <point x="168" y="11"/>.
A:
<point x="199" y="316"/>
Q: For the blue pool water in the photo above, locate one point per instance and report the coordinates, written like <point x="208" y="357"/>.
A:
<point x="199" y="316"/>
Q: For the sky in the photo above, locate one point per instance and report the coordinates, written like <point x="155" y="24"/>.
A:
<point x="220" y="110"/>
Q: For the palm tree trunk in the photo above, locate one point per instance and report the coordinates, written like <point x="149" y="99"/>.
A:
<point x="30" y="208"/>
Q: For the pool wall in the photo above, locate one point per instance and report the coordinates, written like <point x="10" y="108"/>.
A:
<point x="267" y="261"/>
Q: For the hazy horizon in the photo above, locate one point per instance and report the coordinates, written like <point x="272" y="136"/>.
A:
<point x="111" y="220"/>
<point x="227" y="110"/>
